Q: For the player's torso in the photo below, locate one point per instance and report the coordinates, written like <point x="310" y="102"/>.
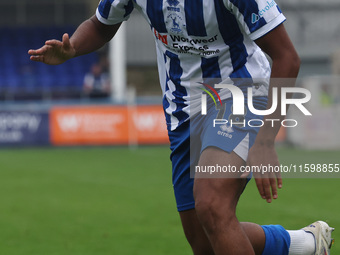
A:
<point x="196" y="40"/>
<point x="190" y="27"/>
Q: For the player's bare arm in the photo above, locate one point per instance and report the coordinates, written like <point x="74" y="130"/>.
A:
<point x="286" y="64"/>
<point x="89" y="36"/>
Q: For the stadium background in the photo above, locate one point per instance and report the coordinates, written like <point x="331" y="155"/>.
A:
<point x="59" y="196"/>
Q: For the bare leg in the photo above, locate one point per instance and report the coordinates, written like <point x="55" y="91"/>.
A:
<point x="216" y="201"/>
<point x="200" y="243"/>
<point x="255" y="235"/>
<point x="195" y="234"/>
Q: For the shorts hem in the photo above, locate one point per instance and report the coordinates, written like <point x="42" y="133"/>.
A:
<point x="186" y="207"/>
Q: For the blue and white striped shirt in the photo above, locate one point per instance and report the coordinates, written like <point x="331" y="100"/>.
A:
<point x="200" y="39"/>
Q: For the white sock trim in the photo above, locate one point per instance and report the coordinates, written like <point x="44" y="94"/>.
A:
<point x="301" y="243"/>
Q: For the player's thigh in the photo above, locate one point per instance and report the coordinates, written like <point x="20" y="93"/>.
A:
<point x="223" y="191"/>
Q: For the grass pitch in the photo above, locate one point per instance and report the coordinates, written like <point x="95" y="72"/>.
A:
<point x="82" y="201"/>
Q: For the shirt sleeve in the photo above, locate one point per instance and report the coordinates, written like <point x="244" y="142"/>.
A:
<point x="111" y="12"/>
<point x="256" y="17"/>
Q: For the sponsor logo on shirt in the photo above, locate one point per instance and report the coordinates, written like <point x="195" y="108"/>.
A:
<point x="162" y="38"/>
<point x="175" y="38"/>
<point x="173" y="2"/>
<point x="182" y="44"/>
<point x="173" y="5"/>
<point x="257" y="16"/>
<point x="200" y="46"/>
<point x="175" y="22"/>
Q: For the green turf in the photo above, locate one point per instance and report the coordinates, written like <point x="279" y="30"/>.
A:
<point x="116" y="201"/>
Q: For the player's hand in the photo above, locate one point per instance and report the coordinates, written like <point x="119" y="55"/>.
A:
<point x="54" y="52"/>
<point x="267" y="182"/>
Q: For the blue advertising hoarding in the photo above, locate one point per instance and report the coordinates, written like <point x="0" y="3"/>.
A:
<point x="24" y="128"/>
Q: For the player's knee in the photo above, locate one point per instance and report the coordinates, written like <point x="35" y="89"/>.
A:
<point x="211" y="203"/>
<point x="212" y="210"/>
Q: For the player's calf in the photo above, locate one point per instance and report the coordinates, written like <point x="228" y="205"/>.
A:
<point x="195" y="234"/>
<point x="215" y="202"/>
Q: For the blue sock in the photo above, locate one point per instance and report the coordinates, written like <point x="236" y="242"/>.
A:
<point x="277" y="240"/>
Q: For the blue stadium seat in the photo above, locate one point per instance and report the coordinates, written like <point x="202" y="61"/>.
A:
<point x="19" y="75"/>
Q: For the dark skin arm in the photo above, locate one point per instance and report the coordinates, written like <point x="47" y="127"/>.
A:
<point x="91" y="35"/>
<point x="286" y="64"/>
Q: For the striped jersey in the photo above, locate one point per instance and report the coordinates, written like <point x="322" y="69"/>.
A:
<point x="198" y="40"/>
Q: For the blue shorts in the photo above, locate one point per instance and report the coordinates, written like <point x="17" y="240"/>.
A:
<point x="189" y="140"/>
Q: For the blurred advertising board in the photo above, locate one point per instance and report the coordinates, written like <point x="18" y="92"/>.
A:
<point x="148" y="123"/>
<point x="24" y="128"/>
<point x="104" y="125"/>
